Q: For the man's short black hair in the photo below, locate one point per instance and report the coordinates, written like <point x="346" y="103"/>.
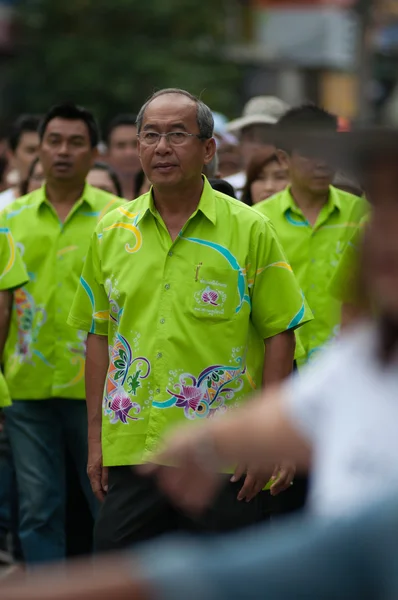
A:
<point x="121" y="120"/>
<point x="24" y="124"/>
<point x="302" y="119"/>
<point x="71" y="112"/>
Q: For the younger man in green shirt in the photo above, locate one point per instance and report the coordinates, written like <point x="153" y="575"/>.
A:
<point x="314" y="221"/>
<point x="44" y="358"/>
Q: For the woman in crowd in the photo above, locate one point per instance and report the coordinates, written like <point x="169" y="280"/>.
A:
<point x="103" y="177"/>
<point x="265" y="177"/>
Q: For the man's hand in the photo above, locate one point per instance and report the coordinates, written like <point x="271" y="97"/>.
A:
<point x="97" y="473"/>
<point x="255" y="481"/>
<point x="283" y="476"/>
<point x="195" y="481"/>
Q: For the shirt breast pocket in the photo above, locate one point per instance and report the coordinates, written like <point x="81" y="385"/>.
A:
<point x="213" y="293"/>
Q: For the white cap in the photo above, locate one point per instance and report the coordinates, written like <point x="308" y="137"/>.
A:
<point x="259" y="110"/>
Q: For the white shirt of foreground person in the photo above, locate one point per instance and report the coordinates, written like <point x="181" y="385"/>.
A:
<point x="346" y="405"/>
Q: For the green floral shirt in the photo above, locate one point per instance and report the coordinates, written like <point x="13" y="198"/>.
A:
<point x="44" y="357"/>
<point x="186" y="320"/>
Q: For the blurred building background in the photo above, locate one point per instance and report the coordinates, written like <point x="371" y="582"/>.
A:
<point x="111" y="54"/>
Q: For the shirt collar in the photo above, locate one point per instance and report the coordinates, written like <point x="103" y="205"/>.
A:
<point x="287" y="201"/>
<point x="207" y="204"/>
<point x="87" y="196"/>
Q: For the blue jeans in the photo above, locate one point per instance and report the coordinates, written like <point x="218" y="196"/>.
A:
<point x="38" y="431"/>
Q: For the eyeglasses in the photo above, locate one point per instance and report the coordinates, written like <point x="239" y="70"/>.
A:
<point x="174" y="138"/>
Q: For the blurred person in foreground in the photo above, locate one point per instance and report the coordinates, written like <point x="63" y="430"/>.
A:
<point x="103" y="177"/>
<point x="23" y="147"/>
<point x="43" y="357"/>
<point x="150" y="365"/>
<point x="254" y="130"/>
<point x="339" y="416"/>
<point x="13" y="276"/>
<point x="265" y="176"/>
<point x="122" y="151"/>
<point x="313" y="221"/>
<point x="345" y="285"/>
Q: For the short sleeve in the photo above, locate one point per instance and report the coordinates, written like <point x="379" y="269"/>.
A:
<point x="90" y="308"/>
<point x="278" y="303"/>
<point x="12" y="269"/>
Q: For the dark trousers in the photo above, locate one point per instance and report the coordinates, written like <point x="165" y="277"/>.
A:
<point x="135" y="511"/>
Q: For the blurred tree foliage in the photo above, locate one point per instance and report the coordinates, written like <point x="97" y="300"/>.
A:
<point x="110" y="55"/>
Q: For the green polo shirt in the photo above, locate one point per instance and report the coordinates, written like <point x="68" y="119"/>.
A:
<point x="186" y="320"/>
<point x="314" y="253"/>
<point x="44" y="357"/>
<point x="344" y="283"/>
<point x="13" y="275"/>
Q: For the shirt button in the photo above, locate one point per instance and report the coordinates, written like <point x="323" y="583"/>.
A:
<point x="167" y="286"/>
<point x="159" y="355"/>
<point x="170" y="253"/>
<point x="163" y="321"/>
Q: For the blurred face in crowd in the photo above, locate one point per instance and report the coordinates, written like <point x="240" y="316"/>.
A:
<point x="229" y="160"/>
<point x="381" y="247"/>
<point x="65" y="152"/>
<point x="122" y="150"/>
<point x="273" y="178"/>
<point x="165" y="163"/>
<point x="36" y="180"/>
<point x="26" y="151"/>
<point x="307" y="173"/>
<point x="254" y="138"/>
<point x="99" y="178"/>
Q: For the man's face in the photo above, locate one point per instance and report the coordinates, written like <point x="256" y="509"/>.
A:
<point x="65" y="152"/>
<point x="166" y="165"/>
<point x="25" y="153"/>
<point x="308" y="173"/>
<point x="122" y="151"/>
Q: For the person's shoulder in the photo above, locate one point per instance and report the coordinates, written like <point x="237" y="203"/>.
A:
<point x="349" y="201"/>
<point x="271" y="206"/>
<point x="238" y="211"/>
<point x="102" y="199"/>
<point x="351" y="348"/>
<point x="22" y="204"/>
<point x="124" y="211"/>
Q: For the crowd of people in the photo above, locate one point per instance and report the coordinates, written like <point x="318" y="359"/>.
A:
<point x="241" y="275"/>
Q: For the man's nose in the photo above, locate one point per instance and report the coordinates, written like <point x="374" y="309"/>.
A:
<point x="163" y="146"/>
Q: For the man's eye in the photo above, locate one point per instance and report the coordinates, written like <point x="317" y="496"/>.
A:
<point x="177" y="135"/>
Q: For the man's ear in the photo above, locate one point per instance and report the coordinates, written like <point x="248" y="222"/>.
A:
<point x="283" y="158"/>
<point x="211" y="149"/>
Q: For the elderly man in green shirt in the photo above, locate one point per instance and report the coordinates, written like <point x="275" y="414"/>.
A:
<point x="313" y="221"/>
<point x="179" y="292"/>
<point x="13" y="275"/>
<point x="44" y="358"/>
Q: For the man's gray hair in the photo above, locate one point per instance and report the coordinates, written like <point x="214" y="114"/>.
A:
<point x="203" y="115"/>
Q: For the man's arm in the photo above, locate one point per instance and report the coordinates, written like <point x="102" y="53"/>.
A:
<point x="260" y="429"/>
<point x="97" y="362"/>
<point x="278" y="364"/>
<point x="110" y="577"/>
<point x="279" y="357"/>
